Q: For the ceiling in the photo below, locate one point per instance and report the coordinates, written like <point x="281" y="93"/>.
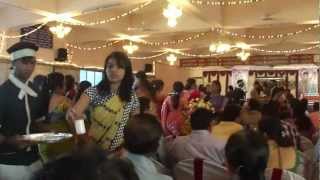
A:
<point x="266" y="17"/>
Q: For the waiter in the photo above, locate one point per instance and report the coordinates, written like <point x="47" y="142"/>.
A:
<point x="19" y="107"/>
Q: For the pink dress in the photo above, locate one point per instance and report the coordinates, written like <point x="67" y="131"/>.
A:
<point x="172" y="119"/>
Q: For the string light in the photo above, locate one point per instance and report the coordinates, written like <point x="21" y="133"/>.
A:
<point x="291" y="51"/>
<point x="203" y="34"/>
<point x="174" y="42"/>
<point x="80" y="48"/>
<point x="2" y="41"/>
<point x="25" y="34"/>
<point x="233" y="34"/>
<point x="108" y="20"/>
<point x="265" y="36"/>
<point x="114" y="18"/>
<point x="70" y="54"/>
<point x="149" y="57"/>
<point x="224" y="3"/>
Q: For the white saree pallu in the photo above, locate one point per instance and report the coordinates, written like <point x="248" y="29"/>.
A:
<point x="13" y="172"/>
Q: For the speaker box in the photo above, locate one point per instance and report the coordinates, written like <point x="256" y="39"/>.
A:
<point x="148" y="68"/>
<point x="62" y="55"/>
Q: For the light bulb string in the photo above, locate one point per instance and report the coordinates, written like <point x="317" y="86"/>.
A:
<point x="291" y="51"/>
<point x="117" y="17"/>
<point x="149" y="57"/>
<point x="25" y="34"/>
<point x="224" y="3"/>
<point x="106" y="45"/>
<point x="220" y="30"/>
<point x="217" y="54"/>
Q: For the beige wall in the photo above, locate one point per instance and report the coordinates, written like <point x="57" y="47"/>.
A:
<point x="170" y="74"/>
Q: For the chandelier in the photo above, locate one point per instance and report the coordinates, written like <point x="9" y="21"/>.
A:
<point x="220" y="47"/>
<point x="60" y="30"/>
<point x="243" y="55"/>
<point x="130" y="48"/>
<point x="171" y="58"/>
<point x="172" y="12"/>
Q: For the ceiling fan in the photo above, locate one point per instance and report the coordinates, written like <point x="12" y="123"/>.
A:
<point x="268" y="17"/>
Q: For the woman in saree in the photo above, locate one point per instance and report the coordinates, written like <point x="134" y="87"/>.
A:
<point x="173" y="109"/>
<point x="111" y="103"/>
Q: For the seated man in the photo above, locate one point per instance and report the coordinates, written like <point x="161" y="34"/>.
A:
<point x="199" y="144"/>
<point x="228" y="124"/>
<point x="141" y="139"/>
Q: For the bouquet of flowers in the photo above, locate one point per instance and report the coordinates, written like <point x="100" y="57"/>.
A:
<point x="191" y="107"/>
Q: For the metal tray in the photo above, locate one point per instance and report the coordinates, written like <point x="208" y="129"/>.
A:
<point x="47" y="137"/>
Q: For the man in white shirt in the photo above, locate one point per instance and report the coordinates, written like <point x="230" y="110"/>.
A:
<point x="199" y="144"/>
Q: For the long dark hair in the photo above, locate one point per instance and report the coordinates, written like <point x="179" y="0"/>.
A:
<point x="247" y="153"/>
<point x="125" y="88"/>
<point x="177" y="90"/>
<point x="69" y="80"/>
<point x="55" y="80"/>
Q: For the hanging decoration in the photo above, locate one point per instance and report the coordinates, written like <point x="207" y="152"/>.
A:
<point x="172" y="13"/>
<point x="171" y="58"/>
<point x="60" y="30"/>
<point x="219" y="47"/>
<point x="130" y="48"/>
<point x="243" y="55"/>
<point x="224" y="3"/>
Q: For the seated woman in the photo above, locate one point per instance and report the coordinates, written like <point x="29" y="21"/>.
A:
<point x="283" y="154"/>
<point x="56" y="122"/>
<point x="247" y="156"/>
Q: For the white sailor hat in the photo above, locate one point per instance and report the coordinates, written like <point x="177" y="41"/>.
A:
<point x="21" y="50"/>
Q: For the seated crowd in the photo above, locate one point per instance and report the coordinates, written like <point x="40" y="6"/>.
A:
<point x="127" y="128"/>
<point x="252" y="140"/>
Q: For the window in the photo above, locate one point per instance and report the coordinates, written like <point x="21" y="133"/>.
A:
<point x="94" y="77"/>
